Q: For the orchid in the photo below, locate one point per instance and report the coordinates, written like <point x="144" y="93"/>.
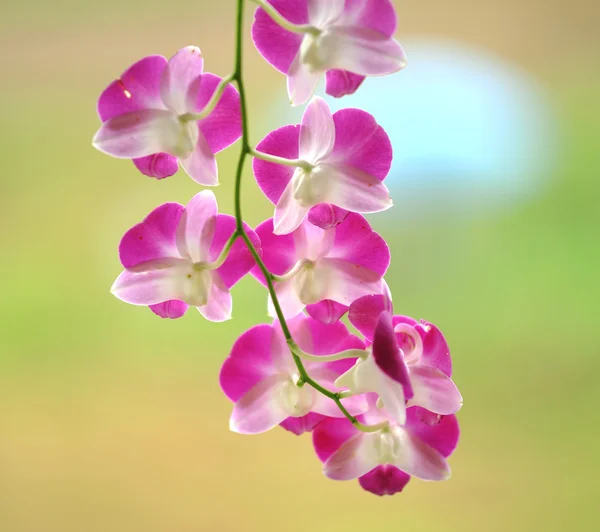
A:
<point x="383" y="461"/>
<point x="409" y="362"/>
<point x="262" y="380"/>
<point x="381" y="406"/>
<point x="340" y="159"/>
<point x="181" y="256"/>
<point x="346" y="39"/>
<point x="159" y="112"/>
<point x="317" y="267"/>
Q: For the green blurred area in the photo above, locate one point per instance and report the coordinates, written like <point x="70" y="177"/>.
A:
<point x="112" y="419"/>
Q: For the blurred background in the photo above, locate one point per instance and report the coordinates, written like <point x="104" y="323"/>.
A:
<point x="112" y="419"/>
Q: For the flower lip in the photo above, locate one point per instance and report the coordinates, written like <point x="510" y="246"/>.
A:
<point x="388" y="356"/>
<point x="410" y="342"/>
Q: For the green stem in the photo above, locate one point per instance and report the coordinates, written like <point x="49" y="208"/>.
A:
<point x="284" y="23"/>
<point x="224" y="252"/>
<point x="240" y="231"/>
<point x="300" y="163"/>
<point x="349" y="353"/>
<point x="211" y="104"/>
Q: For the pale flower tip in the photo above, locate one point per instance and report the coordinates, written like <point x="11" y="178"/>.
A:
<point x="447" y="474"/>
<point x="192" y="49"/>
<point x="233" y="426"/>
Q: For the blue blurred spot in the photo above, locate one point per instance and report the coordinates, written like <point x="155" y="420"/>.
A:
<point x="469" y="130"/>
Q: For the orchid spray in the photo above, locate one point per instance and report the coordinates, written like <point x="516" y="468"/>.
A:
<point x="380" y="403"/>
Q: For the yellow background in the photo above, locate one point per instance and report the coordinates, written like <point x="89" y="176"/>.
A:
<point x="112" y="419"/>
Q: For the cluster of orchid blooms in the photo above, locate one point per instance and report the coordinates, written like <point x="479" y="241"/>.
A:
<point x="380" y="405"/>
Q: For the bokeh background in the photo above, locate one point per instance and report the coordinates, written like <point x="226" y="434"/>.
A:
<point x="112" y="419"/>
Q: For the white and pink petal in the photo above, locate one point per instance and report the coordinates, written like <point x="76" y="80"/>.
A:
<point x="261" y="408"/>
<point x="146" y="132"/>
<point x="434" y="390"/>
<point x="197" y="227"/>
<point x="178" y="77"/>
<point x="219" y="303"/>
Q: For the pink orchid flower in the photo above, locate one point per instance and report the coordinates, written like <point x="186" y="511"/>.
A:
<point x="345" y="158"/>
<point x="174" y="259"/>
<point x="148" y="113"/>
<point x="346" y="39"/>
<point x="260" y="377"/>
<point x="326" y="269"/>
<point x="384" y="461"/>
<point x="409" y="362"/>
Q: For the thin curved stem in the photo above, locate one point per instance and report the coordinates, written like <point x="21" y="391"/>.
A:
<point x="348" y="353"/>
<point x="241" y="232"/>
<point x="211" y="104"/>
<point x="224" y="252"/>
<point x="298" y="163"/>
<point x="284" y="23"/>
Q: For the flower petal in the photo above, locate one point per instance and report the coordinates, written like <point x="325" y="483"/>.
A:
<point x="341" y="281"/>
<point x="435" y="348"/>
<point x="144" y="132"/>
<point x="201" y="164"/>
<point x="384" y="480"/>
<point x="365" y="377"/>
<point x="172" y="309"/>
<point x="289" y="214"/>
<point x="153" y="238"/>
<point x="356" y="404"/>
<point x="223" y="126"/>
<point x="300" y="425"/>
<point x="158" y="165"/>
<point x="321" y="14"/>
<point x="197" y="227"/>
<point x="330" y="435"/>
<point x="249" y="362"/>
<point x="327" y="311"/>
<point x="312" y="242"/>
<point x="260" y="409"/>
<point x="356" y="243"/>
<point x="239" y="260"/>
<point x="150" y="287"/>
<point x="279" y="251"/>
<point x="362" y="51"/>
<point x="355" y="190"/>
<point x="273" y="178"/>
<point x="317" y="131"/>
<point x="177" y="78"/>
<point x="326" y="216"/>
<point x="355" y="458"/>
<point x="288" y="298"/>
<point x="277" y="45"/>
<point x="417" y="458"/>
<point x="340" y="83"/>
<point x="219" y="304"/>
<point x="440" y="432"/>
<point x="301" y="81"/>
<point x="364" y="313"/>
<point x="387" y="355"/>
<point x="434" y="390"/>
<point x="377" y="15"/>
<point x="325" y="339"/>
<point x="137" y="88"/>
<point x="361" y="142"/>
